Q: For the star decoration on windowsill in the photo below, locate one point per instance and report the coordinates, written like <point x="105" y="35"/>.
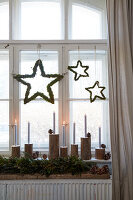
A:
<point x="79" y="65"/>
<point x="20" y="78"/>
<point x="98" y="93"/>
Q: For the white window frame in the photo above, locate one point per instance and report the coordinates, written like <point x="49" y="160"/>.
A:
<point x="63" y="47"/>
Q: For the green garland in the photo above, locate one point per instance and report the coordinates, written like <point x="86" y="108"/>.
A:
<point x="72" y="69"/>
<point x="23" y="165"/>
<point x="20" y="78"/>
<point x="102" y="97"/>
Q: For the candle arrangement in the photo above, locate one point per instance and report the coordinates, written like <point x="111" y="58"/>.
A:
<point x="54" y="143"/>
<point x="99" y="137"/>
<point x="99" y="152"/>
<point x="63" y="148"/>
<point x="15" y="127"/>
<point x="28" y="132"/>
<point x="15" y="147"/>
<point x="54" y="122"/>
<point x="85" y="120"/>
<point x="28" y="147"/>
<point x="74" y="147"/>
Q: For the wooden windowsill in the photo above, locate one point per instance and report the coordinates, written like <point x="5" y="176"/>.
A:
<point x="54" y="176"/>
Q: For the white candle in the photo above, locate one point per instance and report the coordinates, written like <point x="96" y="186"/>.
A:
<point x="28" y="132"/>
<point x="99" y="137"/>
<point x="74" y="133"/>
<point x="15" y="126"/>
<point x="63" y="127"/>
<point x="85" y="121"/>
<point x="54" y="122"/>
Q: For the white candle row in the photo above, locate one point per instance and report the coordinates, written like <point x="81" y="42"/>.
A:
<point x="15" y="133"/>
<point x="63" y="129"/>
<point x="74" y="128"/>
<point x="15" y="127"/>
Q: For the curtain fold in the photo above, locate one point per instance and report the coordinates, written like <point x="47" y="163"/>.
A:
<point x="120" y="40"/>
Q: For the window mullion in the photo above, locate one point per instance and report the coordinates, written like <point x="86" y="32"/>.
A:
<point x="11" y="95"/>
<point x="10" y="19"/>
<point x="16" y="93"/>
<point x="60" y="60"/>
<point x="66" y="11"/>
<point x="15" y="13"/>
<point x="66" y="95"/>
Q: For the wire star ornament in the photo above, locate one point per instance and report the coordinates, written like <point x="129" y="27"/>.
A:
<point x="21" y="78"/>
<point x="96" y="91"/>
<point x="79" y="65"/>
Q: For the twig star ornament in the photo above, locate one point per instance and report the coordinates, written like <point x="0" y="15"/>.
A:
<point x="21" y="78"/>
<point x="96" y="91"/>
<point x="79" y="66"/>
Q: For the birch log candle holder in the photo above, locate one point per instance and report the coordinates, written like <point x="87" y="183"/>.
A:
<point x="86" y="148"/>
<point x="16" y="151"/>
<point x="28" y="150"/>
<point x="53" y="146"/>
<point x="99" y="153"/>
<point x="63" y="151"/>
<point x="74" y="150"/>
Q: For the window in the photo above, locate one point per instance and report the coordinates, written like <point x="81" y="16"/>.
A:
<point x="4" y="20"/>
<point x="59" y="32"/>
<point x="78" y="97"/>
<point x="88" y="20"/>
<point x="38" y="112"/>
<point x="4" y="100"/>
<point x="39" y="20"/>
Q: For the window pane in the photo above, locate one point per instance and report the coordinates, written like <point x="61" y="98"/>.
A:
<point x="4" y="20"/>
<point x="88" y="21"/>
<point x="98" y="71"/>
<point x="4" y="125"/>
<point x="98" y="111"/>
<point x="37" y="110"/>
<point x="39" y="83"/>
<point x="40" y="116"/>
<point x="4" y="75"/>
<point x="97" y="115"/>
<point x="40" y="20"/>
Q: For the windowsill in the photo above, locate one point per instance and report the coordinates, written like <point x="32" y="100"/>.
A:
<point x="46" y="151"/>
<point x="98" y="161"/>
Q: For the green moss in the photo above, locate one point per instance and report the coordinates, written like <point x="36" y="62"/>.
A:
<point x="22" y="79"/>
<point x="23" y="165"/>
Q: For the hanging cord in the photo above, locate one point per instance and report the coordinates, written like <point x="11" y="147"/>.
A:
<point x="95" y="62"/>
<point x="38" y="50"/>
<point x="78" y="53"/>
<point x="63" y="73"/>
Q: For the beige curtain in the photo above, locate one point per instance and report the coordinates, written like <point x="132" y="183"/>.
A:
<point x="120" y="32"/>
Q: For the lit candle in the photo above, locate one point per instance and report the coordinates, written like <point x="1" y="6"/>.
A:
<point x="85" y="121"/>
<point x="28" y="132"/>
<point x="74" y="133"/>
<point x="54" y="122"/>
<point x="99" y="137"/>
<point x="15" y="126"/>
<point x="63" y="127"/>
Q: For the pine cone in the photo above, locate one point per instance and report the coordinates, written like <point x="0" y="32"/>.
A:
<point x="34" y="156"/>
<point x="106" y="168"/>
<point x="37" y="153"/>
<point x="50" y="131"/>
<point x="107" y="156"/>
<point x="88" y="134"/>
<point x="44" y="156"/>
<point x="94" y="169"/>
<point x="103" y="146"/>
